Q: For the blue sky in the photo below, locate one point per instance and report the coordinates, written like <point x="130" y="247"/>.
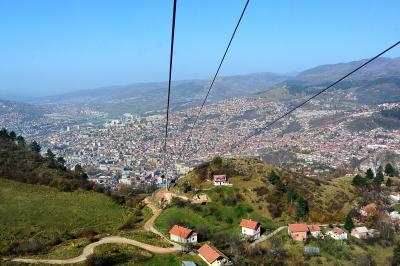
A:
<point x="50" y="47"/>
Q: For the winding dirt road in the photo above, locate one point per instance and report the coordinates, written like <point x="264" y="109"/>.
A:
<point x="89" y="249"/>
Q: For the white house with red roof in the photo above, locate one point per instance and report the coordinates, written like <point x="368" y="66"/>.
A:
<point x="182" y="234"/>
<point x="212" y="256"/>
<point x="337" y="234"/>
<point x="251" y="229"/>
<point x="220" y="180"/>
<point x="315" y="231"/>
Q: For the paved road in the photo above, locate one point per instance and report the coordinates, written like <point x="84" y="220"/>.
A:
<point x="89" y="249"/>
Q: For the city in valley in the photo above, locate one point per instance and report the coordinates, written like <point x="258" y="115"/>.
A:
<point x="325" y="136"/>
<point x="200" y="133"/>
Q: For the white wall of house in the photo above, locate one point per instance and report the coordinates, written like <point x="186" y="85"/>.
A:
<point x="317" y="234"/>
<point x="219" y="183"/>
<point x="191" y="239"/>
<point x="337" y="236"/>
<point x="250" y="232"/>
<point x="395" y="198"/>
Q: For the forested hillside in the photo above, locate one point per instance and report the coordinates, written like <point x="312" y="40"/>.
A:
<point x="23" y="162"/>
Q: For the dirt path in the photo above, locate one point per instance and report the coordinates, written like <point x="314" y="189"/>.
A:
<point x="268" y="236"/>
<point x="89" y="249"/>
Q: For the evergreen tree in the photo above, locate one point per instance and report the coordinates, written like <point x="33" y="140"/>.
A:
<point x="389" y="170"/>
<point x="50" y="155"/>
<point x="273" y="177"/>
<point x="359" y="181"/>
<point x="35" y="147"/>
<point x="369" y="174"/>
<point x="302" y="208"/>
<point x="21" y="141"/>
<point x="61" y="161"/>
<point x="348" y="222"/>
<point x="380" y="177"/>
<point x="79" y="172"/>
<point x="4" y="133"/>
<point x="13" y="136"/>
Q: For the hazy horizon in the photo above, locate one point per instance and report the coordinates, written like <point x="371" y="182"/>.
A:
<point x="52" y="48"/>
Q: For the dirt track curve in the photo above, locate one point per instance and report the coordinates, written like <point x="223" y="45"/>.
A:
<point x="89" y="249"/>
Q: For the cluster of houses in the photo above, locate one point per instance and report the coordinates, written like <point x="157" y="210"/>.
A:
<point x="302" y="232"/>
<point x="211" y="255"/>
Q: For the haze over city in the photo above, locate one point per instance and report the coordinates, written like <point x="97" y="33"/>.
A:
<point x="52" y="47"/>
<point x="199" y="133"/>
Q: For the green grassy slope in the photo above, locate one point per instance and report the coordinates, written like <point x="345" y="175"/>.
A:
<point x="34" y="215"/>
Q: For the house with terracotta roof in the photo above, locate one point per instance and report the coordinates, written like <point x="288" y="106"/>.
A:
<point x="212" y="256"/>
<point x="300" y="232"/>
<point x="250" y="229"/>
<point x="360" y="232"/>
<point x="220" y="180"/>
<point x="337" y="234"/>
<point x="369" y="210"/>
<point x="182" y="234"/>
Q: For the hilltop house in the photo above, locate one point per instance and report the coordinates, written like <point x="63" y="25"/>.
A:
<point x="212" y="256"/>
<point x="369" y="210"/>
<point x="250" y="229"/>
<point x="300" y="232"/>
<point x="220" y="180"/>
<point x="182" y="234"/>
<point x="395" y="197"/>
<point x="337" y="234"/>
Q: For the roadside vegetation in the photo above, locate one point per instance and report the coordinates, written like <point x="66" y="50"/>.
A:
<point x="122" y="254"/>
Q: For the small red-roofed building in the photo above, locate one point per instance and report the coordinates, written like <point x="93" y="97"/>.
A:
<point x="369" y="210"/>
<point x="298" y="232"/>
<point x="315" y="231"/>
<point x="337" y="234"/>
<point x="220" y="180"/>
<point x="182" y="234"/>
<point x="212" y="256"/>
<point x="251" y="229"/>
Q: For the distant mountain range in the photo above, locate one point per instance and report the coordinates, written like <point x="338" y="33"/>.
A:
<point x="146" y="97"/>
<point x="378" y="82"/>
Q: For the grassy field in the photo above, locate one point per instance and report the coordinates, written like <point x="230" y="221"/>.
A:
<point x="216" y="216"/>
<point x="121" y="254"/>
<point x="34" y="212"/>
<point x="66" y="250"/>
